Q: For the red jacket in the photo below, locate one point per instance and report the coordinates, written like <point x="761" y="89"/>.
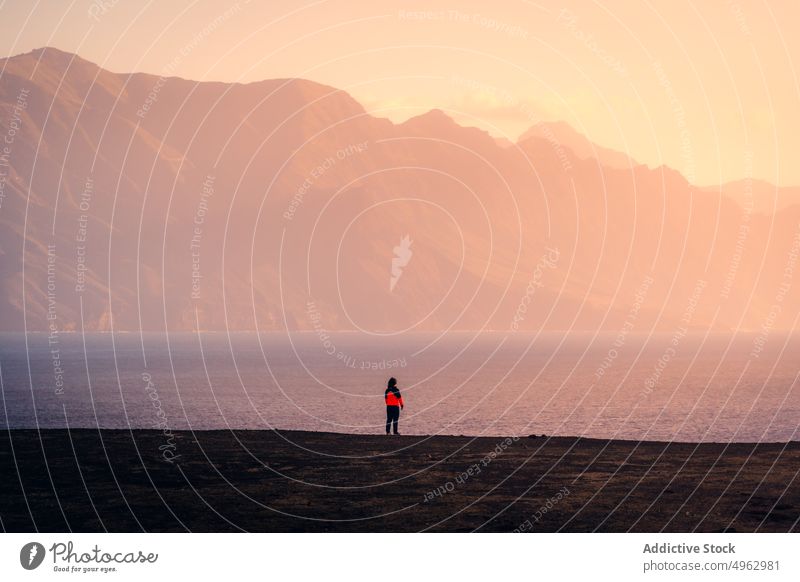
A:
<point x="393" y="397"/>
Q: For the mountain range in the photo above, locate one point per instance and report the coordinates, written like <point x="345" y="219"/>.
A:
<point x="140" y="202"/>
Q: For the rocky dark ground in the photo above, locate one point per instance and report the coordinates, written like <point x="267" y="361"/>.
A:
<point x="119" y="480"/>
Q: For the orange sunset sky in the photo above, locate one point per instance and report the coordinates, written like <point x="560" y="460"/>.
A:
<point x="699" y="86"/>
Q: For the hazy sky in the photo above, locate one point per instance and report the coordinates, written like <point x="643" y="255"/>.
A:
<point x="699" y="86"/>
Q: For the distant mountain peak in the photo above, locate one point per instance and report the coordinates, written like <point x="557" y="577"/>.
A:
<point x="438" y="123"/>
<point x="432" y="118"/>
<point x="54" y="57"/>
<point x="562" y="133"/>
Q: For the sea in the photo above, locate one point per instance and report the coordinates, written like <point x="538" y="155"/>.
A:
<point x="692" y="387"/>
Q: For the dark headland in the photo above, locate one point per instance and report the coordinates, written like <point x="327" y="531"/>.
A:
<point x="118" y="480"/>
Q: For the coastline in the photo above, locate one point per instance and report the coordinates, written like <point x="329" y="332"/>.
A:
<point x="121" y="480"/>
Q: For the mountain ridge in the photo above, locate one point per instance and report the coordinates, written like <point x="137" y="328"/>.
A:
<point x="237" y="206"/>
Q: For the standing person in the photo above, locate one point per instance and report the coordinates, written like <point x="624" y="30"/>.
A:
<point x="394" y="404"/>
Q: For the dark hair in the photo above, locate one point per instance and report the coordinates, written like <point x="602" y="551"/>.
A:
<point x="392" y="383"/>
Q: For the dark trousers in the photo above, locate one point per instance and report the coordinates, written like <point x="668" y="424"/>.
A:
<point x="392" y="417"/>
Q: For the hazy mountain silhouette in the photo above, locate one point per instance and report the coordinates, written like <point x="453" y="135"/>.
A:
<point x="561" y="133"/>
<point x="279" y="203"/>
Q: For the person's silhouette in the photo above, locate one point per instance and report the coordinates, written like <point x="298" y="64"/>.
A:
<point x="394" y="403"/>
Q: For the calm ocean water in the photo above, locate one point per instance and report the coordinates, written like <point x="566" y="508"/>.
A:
<point x="700" y="388"/>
